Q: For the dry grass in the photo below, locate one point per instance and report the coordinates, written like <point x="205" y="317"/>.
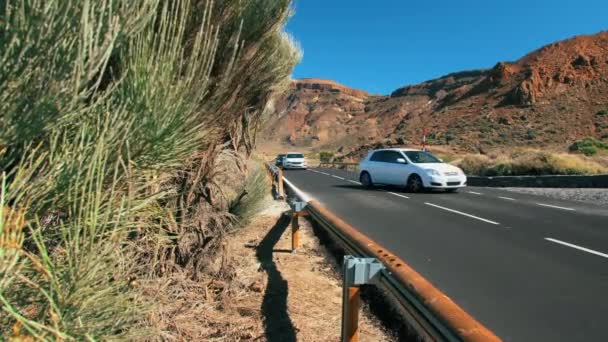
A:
<point x="257" y="291"/>
<point x="529" y="162"/>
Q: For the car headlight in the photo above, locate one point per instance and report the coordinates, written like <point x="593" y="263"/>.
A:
<point x="432" y="172"/>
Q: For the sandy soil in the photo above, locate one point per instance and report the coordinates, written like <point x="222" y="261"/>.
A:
<point x="259" y="291"/>
<point x="301" y="295"/>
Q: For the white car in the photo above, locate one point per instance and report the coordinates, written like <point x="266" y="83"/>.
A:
<point x="416" y="170"/>
<point x="294" y="160"/>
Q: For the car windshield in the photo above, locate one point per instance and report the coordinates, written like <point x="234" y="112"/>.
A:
<point x="295" y="155"/>
<point x="420" y="157"/>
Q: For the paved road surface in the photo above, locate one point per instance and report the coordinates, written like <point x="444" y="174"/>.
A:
<point x="530" y="268"/>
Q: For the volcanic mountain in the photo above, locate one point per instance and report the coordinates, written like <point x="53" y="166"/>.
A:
<point x="552" y="96"/>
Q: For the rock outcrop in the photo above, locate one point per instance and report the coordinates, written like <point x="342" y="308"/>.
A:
<point x="550" y="96"/>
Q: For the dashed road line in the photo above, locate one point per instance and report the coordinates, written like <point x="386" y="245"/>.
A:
<point x="475" y="193"/>
<point x="398" y="195"/>
<point x="555" y="206"/>
<point x="507" y="198"/>
<point x="571" y="245"/>
<point x="461" y="213"/>
<point x="337" y="177"/>
<point x="352" y="181"/>
<point x="324" y="173"/>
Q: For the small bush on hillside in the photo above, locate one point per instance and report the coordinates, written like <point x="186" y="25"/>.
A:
<point x="531" y="134"/>
<point x="602" y="113"/>
<point x="326" y="156"/>
<point x="588" y="150"/>
<point x="588" y="146"/>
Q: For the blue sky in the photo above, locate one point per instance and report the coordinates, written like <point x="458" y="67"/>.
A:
<point x="380" y="45"/>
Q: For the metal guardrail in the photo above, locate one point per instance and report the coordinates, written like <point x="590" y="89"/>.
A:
<point x="431" y="313"/>
<point x="276" y="180"/>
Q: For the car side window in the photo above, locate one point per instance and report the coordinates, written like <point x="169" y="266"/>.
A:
<point x="392" y="156"/>
<point x="377" y="156"/>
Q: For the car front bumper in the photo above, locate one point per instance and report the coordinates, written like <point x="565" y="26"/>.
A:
<point x="295" y="166"/>
<point x="445" y="182"/>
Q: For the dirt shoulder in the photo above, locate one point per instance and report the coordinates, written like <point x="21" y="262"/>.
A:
<point x="260" y="291"/>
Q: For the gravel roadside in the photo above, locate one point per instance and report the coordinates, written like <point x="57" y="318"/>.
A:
<point x="597" y="196"/>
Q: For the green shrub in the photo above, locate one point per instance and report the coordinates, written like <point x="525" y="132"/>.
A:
<point x="602" y="113"/>
<point x="588" y="146"/>
<point x="588" y="150"/>
<point x="122" y="125"/>
<point x="531" y="134"/>
<point x="326" y="156"/>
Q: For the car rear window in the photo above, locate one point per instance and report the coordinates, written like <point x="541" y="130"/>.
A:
<point x="295" y="155"/>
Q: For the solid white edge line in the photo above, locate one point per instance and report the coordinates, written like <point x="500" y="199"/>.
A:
<point x="337" y="177"/>
<point x="352" y="181"/>
<point x="577" y="247"/>
<point x="507" y="198"/>
<point x="398" y="195"/>
<point x="461" y="213"/>
<point x="324" y="173"/>
<point x="303" y="196"/>
<point x="555" y="206"/>
<point x="474" y="193"/>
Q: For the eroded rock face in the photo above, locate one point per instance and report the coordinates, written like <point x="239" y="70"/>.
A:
<point x="553" y="92"/>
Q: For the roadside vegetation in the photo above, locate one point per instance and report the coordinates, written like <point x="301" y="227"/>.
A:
<point x="529" y="162"/>
<point x="125" y="128"/>
<point x="589" y="146"/>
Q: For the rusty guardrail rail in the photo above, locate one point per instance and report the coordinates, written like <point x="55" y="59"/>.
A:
<point x="430" y="312"/>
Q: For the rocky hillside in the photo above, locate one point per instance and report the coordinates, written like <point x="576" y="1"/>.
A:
<point x="550" y="97"/>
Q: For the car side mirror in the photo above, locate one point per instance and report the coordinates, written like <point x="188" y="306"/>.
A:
<point x="401" y="161"/>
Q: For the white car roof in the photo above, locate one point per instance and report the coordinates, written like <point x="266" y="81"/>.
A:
<point x="396" y="149"/>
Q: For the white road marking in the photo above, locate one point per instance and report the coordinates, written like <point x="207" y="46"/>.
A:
<point x="398" y="195"/>
<point x="474" y="193"/>
<point x="315" y="171"/>
<point x="461" y="213"/>
<point x="354" y="182"/>
<point x="577" y="247"/>
<point x="555" y="206"/>
<point x="337" y="177"/>
<point x="324" y="173"/>
<point x="507" y="198"/>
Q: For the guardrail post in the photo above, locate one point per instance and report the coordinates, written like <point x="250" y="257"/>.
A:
<point x="280" y="183"/>
<point x="297" y="208"/>
<point x="295" y="233"/>
<point x="355" y="272"/>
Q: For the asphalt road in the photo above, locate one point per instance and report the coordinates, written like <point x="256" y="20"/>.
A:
<point x="530" y="268"/>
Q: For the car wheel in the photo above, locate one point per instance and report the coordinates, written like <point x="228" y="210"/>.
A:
<point x="414" y="184"/>
<point x="366" y="180"/>
<point x="451" y="190"/>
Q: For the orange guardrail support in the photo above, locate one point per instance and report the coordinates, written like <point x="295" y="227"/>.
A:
<point x="350" y="331"/>
<point x="295" y="233"/>
<point x="280" y="183"/>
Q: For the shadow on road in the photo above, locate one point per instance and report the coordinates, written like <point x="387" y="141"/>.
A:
<point x="277" y="324"/>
